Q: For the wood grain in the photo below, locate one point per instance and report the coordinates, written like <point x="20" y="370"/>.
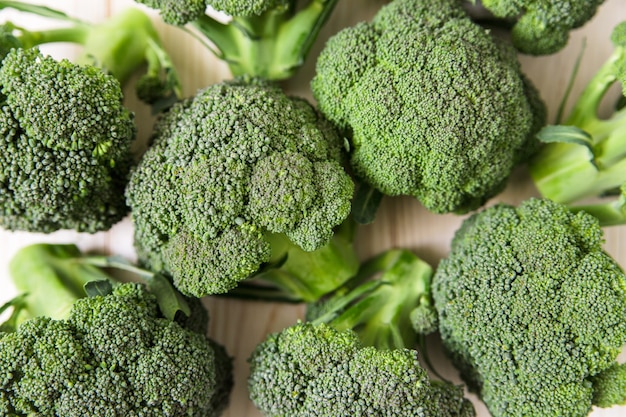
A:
<point x="402" y="222"/>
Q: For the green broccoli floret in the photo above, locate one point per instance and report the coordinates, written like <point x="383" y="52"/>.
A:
<point x="65" y="149"/>
<point x="263" y="38"/>
<point x="542" y="26"/>
<point x="533" y="311"/>
<point x="434" y="106"/>
<point x="309" y="369"/>
<point x="107" y="355"/>
<point x="584" y="156"/>
<point x="120" y="46"/>
<point x="237" y="177"/>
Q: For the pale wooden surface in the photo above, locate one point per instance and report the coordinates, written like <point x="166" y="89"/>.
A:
<point x="401" y="222"/>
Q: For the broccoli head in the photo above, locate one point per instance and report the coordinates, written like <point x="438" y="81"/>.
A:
<point x="177" y="12"/>
<point x="316" y="370"/>
<point x="238" y="163"/>
<point x="66" y="139"/>
<point x="533" y="311"/>
<point x="542" y="27"/>
<point x="114" y="355"/>
<point x="434" y="106"/>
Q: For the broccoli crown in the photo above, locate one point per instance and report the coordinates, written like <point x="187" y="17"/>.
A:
<point x="308" y="370"/>
<point x="113" y="356"/>
<point x="531" y="308"/>
<point x="177" y="12"/>
<point x="66" y="140"/>
<point x="237" y="161"/>
<point x="542" y="27"/>
<point x="245" y="8"/>
<point x="444" y="122"/>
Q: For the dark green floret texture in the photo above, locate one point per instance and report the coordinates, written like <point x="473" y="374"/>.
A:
<point x="114" y="356"/>
<point x="227" y="168"/>
<point x="315" y="370"/>
<point x="65" y="145"/>
<point x="533" y="311"/>
<point x="434" y="106"/>
<point x="542" y="26"/>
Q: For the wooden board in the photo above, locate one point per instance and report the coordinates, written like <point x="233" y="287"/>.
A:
<point x="402" y="222"/>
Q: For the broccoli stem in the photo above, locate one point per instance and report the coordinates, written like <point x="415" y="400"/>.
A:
<point x="380" y="310"/>
<point x="271" y="46"/>
<point x="52" y="278"/>
<point x="565" y="170"/>
<point x="307" y="276"/>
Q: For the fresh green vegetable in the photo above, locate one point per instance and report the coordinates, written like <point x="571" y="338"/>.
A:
<point x="309" y="369"/>
<point x="110" y="354"/>
<point x="120" y="46"/>
<point x="263" y="38"/>
<point x="434" y="106"/>
<point x="65" y="149"/>
<point x="533" y="311"/>
<point x="542" y="26"/>
<point x="586" y="155"/>
<point x="241" y="179"/>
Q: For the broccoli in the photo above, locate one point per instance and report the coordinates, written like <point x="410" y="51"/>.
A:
<point x="533" y="311"/>
<point x="65" y="149"/>
<point x="353" y="356"/>
<point x="241" y="179"/>
<point x="108" y="355"/>
<point x="434" y="106"/>
<point x="262" y="38"/>
<point x="308" y="369"/>
<point x="584" y="156"/>
<point x="542" y="27"/>
<point x="119" y="46"/>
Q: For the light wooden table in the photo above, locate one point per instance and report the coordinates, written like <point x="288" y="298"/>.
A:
<point x="402" y="222"/>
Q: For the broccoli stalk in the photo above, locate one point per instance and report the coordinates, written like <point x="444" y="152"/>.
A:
<point x="119" y="46"/>
<point x="295" y="275"/>
<point x="585" y="157"/>
<point x="384" y="311"/>
<point x="269" y="41"/>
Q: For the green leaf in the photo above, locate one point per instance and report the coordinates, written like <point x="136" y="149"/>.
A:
<point x="565" y="134"/>
<point x="98" y="288"/>
<point x="38" y="10"/>
<point x="17" y="303"/>
<point x="169" y="299"/>
<point x="365" y="204"/>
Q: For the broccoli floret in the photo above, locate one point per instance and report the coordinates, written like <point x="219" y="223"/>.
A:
<point x="110" y="354"/>
<point x="263" y="38"/>
<point x="66" y="139"/>
<point x="434" y="106"/>
<point x="532" y="310"/>
<point x="583" y="156"/>
<point x="317" y="370"/>
<point x="119" y="46"/>
<point x="542" y="27"/>
<point x="231" y="174"/>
